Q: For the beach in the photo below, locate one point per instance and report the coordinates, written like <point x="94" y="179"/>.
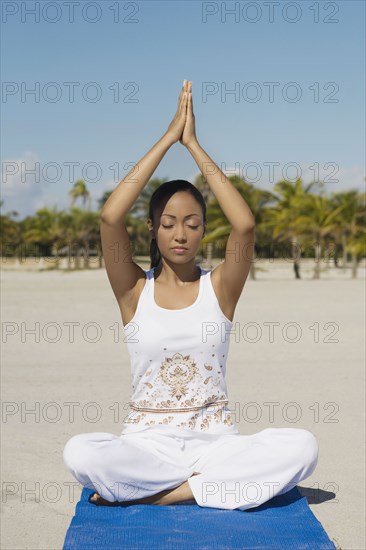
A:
<point x="296" y="359"/>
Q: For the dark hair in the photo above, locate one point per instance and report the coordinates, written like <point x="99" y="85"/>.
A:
<point x="160" y="196"/>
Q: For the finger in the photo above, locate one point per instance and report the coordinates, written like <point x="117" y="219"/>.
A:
<point x="185" y="85"/>
<point x="190" y="103"/>
<point x="181" y="93"/>
<point x="181" y="98"/>
<point x="183" y="103"/>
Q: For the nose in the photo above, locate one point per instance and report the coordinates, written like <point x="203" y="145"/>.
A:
<point x="180" y="235"/>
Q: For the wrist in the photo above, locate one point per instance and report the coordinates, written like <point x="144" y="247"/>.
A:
<point x="192" y="145"/>
<point x="168" y="139"/>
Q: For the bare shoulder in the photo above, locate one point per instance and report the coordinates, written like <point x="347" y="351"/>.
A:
<point x="128" y="303"/>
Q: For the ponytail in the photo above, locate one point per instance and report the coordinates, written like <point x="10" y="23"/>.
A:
<point x="154" y="254"/>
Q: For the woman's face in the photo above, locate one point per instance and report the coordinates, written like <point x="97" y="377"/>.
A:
<point x="179" y="224"/>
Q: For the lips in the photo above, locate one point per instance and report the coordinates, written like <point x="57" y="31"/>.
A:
<point x="179" y="248"/>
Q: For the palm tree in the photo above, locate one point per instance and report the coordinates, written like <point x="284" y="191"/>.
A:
<point x="67" y="236"/>
<point x="357" y="247"/>
<point x="284" y="217"/>
<point x="80" y="190"/>
<point x="42" y="230"/>
<point x="316" y="220"/>
<point x="84" y="230"/>
<point x="348" y="221"/>
<point x="88" y="232"/>
<point x="10" y="235"/>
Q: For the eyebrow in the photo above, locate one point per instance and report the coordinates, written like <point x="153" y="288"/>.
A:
<point x="188" y="216"/>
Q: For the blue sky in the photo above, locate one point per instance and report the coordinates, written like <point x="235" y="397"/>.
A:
<point x="309" y="51"/>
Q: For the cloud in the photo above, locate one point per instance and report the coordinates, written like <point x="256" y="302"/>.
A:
<point x="351" y="177"/>
<point x="26" y="187"/>
<point x="22" y="185"/>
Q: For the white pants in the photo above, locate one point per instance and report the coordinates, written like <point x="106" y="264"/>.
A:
<point x="235" y="471"/>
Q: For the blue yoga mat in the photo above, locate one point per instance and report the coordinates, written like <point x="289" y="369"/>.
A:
<point x="284" y="522"/>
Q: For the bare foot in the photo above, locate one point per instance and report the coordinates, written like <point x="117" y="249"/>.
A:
<point x="100" y="501"/>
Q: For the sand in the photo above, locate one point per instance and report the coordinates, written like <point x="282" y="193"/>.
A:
<point x="58" y="381"/>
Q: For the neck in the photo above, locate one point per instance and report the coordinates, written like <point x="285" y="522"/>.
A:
<point x="180" y="275"/>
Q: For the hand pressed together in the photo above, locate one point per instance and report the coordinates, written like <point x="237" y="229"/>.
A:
<point x="182" y="127"/>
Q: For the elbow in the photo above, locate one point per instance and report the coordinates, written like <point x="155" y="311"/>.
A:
<point x="249" y="227"/>
<point x="108" y="219"/>
<point x="104" y="217"/>
<point x="252" y="225"/>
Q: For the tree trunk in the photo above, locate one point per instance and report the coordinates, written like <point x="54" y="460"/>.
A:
<point x="68" y="256"/>
<point x="100" y="259"/>
<point x="86" y="255"/>
<point x="354" y="266"/>
<point x="317" y="260"/>
<point x="344" y="251"/>
<point x="296" y="255"/>
<point x="77" y="258"/>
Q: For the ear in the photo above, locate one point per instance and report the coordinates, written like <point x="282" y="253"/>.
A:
<point x="150" y="228"/>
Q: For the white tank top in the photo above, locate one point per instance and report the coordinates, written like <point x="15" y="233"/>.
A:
<point x="178" y="363"/>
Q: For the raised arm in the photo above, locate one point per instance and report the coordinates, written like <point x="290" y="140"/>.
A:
<point x="234" y="270"/>
<point x="123" y="272"/>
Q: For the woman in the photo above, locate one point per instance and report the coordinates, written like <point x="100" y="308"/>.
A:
<point x="179" y="441"/>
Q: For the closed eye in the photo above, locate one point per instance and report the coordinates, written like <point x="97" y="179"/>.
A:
<point x="191" y="226"/>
